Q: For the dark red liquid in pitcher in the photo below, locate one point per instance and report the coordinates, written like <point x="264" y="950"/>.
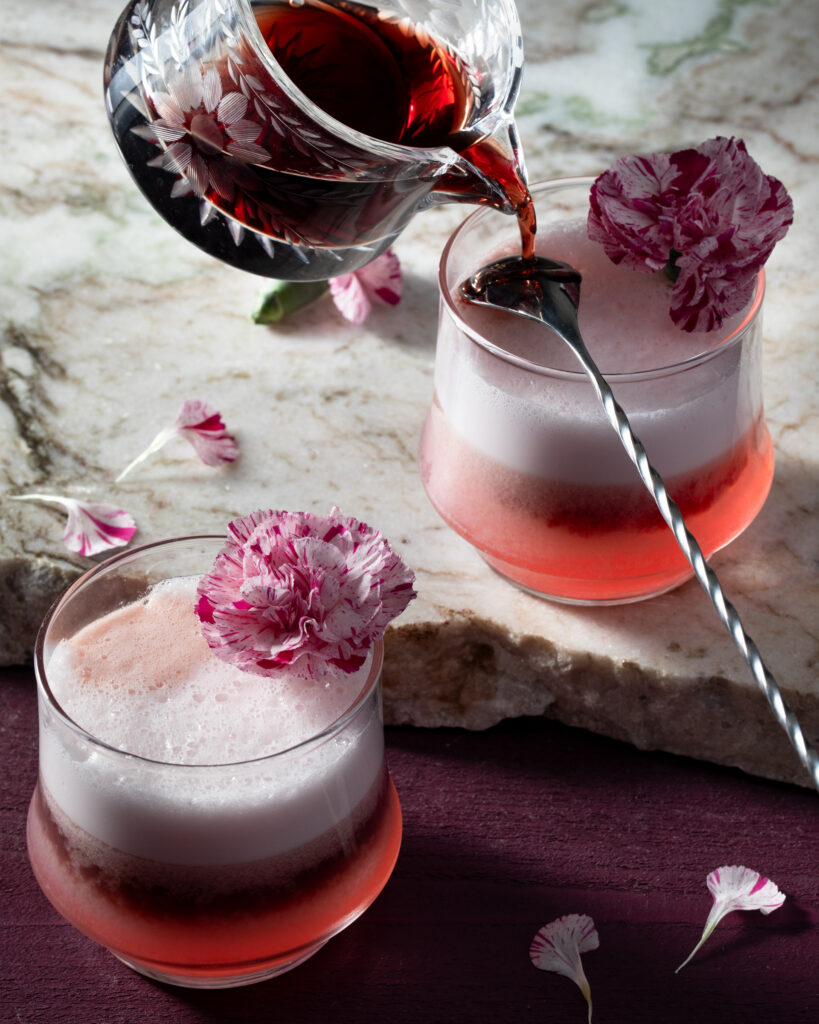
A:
<point x="388" y="80"/>
<point x="240" y="145"/>
<point x="375" y="76"/>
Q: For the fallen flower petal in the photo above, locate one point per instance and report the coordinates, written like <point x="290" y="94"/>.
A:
<point x="736" y="888"/>
<point x="557" y="947"/>
<point x="379" y="281"/>
<point x="92" y="527"/>
<point x="293" y="589"/>
<point x="201" y="425"/>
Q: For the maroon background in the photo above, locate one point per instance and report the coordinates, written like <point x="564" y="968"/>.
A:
<point x="504" y="831"/>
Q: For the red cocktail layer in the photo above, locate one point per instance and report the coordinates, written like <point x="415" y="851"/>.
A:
<point x="584" y="541"/>
<point x="188" y="920"/>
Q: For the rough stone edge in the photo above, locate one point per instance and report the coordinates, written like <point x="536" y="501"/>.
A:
<point x="28" y="587"/>
<point x="468" y="672"/>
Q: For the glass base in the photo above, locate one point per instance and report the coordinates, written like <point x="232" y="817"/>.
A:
<point x="251" y="977"/>
<point x="587" y="593"/>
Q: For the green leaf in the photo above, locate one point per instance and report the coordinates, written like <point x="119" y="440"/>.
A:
<point x="284" y="298"/>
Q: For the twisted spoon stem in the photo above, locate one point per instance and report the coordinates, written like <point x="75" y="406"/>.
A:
<point x="548" y="291"/>
<point x="692" y="551"/>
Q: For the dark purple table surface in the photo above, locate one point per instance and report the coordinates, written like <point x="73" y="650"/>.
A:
<point x="504" y="831"/>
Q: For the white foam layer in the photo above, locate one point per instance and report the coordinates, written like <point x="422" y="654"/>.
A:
<point x="142" y="679"/>
<point x="555" y="428"/>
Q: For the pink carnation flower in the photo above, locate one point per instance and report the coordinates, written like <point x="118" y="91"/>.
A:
<point x="709" y="214"/>
<point x="296" y="589"/>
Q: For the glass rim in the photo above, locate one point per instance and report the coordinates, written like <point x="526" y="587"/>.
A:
<point x="625" y="376"/>
<point x="484" y="126"/>
<point x="129" y="554"/>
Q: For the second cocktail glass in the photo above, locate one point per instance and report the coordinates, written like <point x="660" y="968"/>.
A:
<point x="188" y="832"/>
<point x="516" y="453"/>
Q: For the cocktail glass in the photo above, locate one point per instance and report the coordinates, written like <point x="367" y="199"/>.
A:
<point x="518" y="457"/>
<point x="207" y="875"/>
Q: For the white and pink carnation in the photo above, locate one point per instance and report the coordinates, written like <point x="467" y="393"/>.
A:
<point x="297" y="590"/>
<point x="708" y="215"/>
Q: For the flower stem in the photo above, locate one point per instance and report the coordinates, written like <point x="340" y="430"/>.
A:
<point x="710" y="925"/>
<point x="585" y="988"/>
<point x="671" y="270"/>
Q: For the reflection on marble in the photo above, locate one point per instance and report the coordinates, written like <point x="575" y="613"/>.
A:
<point x="109" y="319"/>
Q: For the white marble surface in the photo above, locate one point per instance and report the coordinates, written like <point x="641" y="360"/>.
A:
<point x="108" y="319"/>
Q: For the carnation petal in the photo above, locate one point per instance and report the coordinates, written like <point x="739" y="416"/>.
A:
<point x="350" y="298"/>
<point x="378" y="282"/>
<point x="382" y="279"/>
<point x="201" y="425"/>
<point x="92" y="527"/>
<point x="557" y="947"/>
<point x="625" y="212"/>
<point x="734" y="887"/>
<point x="96" y="527"/>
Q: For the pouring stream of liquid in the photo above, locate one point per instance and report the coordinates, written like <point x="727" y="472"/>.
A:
<point x="549" y="291"/>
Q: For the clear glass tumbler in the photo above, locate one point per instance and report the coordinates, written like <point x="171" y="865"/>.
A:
<point x="517" y="455"/>
<point x="207" y="875"/>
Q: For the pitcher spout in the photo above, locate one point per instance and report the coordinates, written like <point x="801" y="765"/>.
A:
<point x="490" y="170"/>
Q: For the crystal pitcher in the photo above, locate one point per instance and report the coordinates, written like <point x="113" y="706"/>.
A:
<point x="289" y="180"/>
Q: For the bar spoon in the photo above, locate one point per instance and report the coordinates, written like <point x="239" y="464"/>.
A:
<point x="548" y="291"/>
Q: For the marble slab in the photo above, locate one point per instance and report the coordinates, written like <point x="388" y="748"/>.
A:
<point x="108" y="320"/>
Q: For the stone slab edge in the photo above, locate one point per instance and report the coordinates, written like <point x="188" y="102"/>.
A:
<point x="466" y="671"/>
